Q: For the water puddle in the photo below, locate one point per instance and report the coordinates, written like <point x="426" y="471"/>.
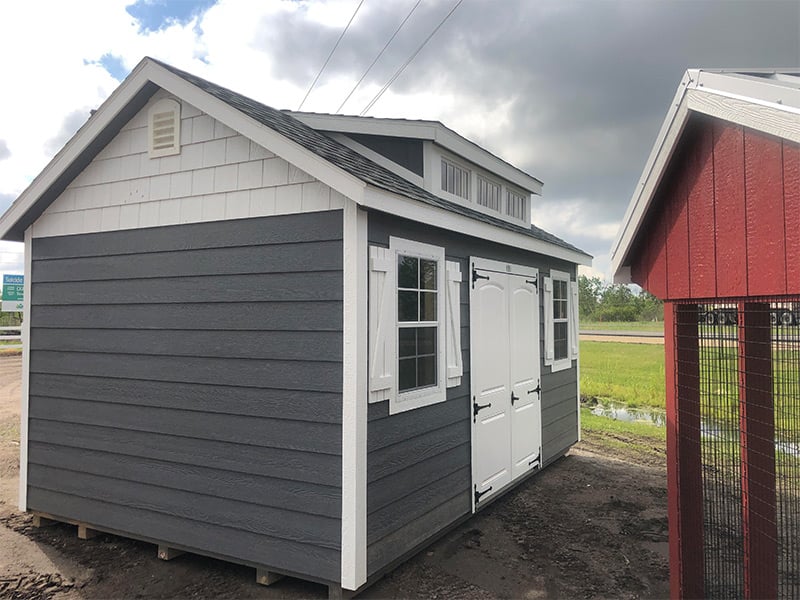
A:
<point x="709" y="429"/>
<point x="620" y="412"/>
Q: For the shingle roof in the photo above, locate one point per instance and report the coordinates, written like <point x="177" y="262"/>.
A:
<point x="347" y="159"/>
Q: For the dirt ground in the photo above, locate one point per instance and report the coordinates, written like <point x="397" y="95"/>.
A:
<point x="593" y="525"/>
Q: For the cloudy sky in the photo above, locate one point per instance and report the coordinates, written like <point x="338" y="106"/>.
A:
<point x="571" y="92"/>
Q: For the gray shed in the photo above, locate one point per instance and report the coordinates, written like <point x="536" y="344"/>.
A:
<point x="307" y="343"/>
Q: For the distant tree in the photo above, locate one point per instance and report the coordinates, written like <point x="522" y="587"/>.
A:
<point x="589" y="293"/>
<point x="649" y="307"/>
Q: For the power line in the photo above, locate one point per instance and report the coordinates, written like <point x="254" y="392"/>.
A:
<point x="372" y="64"/>
<point x="411" y="58"/>
<point x="336" y="45"/>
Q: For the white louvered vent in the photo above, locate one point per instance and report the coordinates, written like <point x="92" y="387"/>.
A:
<point x="164" y="128"/>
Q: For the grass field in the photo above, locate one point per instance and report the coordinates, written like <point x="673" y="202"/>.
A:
<point x="623" y="325"/>
<point x="629" y="373"/>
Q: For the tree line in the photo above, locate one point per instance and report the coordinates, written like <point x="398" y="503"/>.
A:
<point x="599" y="301"/>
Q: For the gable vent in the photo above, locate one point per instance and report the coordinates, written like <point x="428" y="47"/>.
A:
<point x="164" y="128"/>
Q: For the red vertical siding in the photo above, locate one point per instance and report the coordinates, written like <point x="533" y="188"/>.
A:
<point x="729" y="209"/>
<point x="791" y="204"/>
<point x="699" y="176"/>
<point x="763" y="188"/>
<point x="678" y="236"/>
<point x="725" y="221"/>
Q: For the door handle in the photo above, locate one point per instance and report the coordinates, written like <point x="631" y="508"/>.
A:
<point x="537" y="389"/>
<point x="513" y="398"/>
<point x="476" y="408"/>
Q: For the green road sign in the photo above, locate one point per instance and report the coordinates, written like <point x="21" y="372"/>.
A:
<point x="13" y="289"/>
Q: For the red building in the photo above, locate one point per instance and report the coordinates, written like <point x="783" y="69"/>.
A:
<point x="713" y="229"/>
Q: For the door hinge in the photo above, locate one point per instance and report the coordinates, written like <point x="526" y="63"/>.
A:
<point x="476" y="276"/>
<point x="513" y="398"/>
<point x="534" y="282"/>
<point x="479" y="494"/>
<point x="476" y="408"/>
<point x="537" y="389"/>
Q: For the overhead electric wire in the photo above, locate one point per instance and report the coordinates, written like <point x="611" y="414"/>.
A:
<point x="372" y="64"/>
<point x="411" y="58"/>
<point x="336" y="45"/>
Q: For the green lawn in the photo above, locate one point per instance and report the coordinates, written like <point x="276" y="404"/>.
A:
<point x="623" y="325"/>
<point x="629" y="373"/>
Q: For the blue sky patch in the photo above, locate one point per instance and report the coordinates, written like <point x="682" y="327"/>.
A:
<point x="154" y="15"/>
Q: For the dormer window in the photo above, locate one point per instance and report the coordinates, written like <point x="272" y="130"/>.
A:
<point x="489" y="194"/>
<point x="455" y="179"/>
<point x="515" y="205"/>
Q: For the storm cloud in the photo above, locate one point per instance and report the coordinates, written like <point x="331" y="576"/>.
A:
<point x="574" y="92"/>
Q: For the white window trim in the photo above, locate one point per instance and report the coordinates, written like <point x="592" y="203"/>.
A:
<point x="493" y="181"/>
<point x="402" y="401"/>
<point x="526" y="196"/>
<point x="564" y="363"/>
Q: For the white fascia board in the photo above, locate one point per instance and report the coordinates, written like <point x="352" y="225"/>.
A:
<point x="734" y="97"/>
<point x="415" y="210"/>
<point x="290" y="151"/>
<point x="766" y="117"/>
<point x="74" y="147"/>
<point x="423" y="130"/>
<point x="671" y="129"/>
<point x="782" y="93"/>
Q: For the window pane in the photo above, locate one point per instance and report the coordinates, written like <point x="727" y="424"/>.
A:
<point x="408" y="306"/>
<point x="407" y="272"/>
<point x="427" y="306"/>
<point x="408" y="342"/>
<point x="560" y="340"/>
<point x="408" y="374"/>
<point x="559" y="309"/>
<point x="426" y="340"/>
<point x="560" y="289"/>
<point x="426" y="371"/>
<point x="427" y="274"/>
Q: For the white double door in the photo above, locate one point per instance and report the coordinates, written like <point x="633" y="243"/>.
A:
<point x="505" y="374"/>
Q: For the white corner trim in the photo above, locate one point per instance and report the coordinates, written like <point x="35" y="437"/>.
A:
<point x="26" y="370"/>
<point x="378" y="158"/>
<point x="415" y="210"/>
<point x="354" y="399"/>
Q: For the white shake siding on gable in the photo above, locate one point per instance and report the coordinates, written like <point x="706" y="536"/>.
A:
<point x="218" y="175"/>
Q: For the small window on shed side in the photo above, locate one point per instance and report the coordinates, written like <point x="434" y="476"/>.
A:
<point x="164" y="128"/>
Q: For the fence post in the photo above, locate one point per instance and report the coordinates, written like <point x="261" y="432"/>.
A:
<point x="757" y="426"/>
<point x="684" y="469"/>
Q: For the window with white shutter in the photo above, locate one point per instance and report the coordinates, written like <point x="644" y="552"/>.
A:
<point x="415" y="338"/>
<point x="561" y="322"/>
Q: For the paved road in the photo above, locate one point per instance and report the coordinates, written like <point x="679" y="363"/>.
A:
<point x="630" y="337"/>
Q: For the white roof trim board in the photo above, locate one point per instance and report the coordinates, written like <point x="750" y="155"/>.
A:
<point x="422" y="130"/>
<point x="767" y="100"/>
<point x="353" y="175"/>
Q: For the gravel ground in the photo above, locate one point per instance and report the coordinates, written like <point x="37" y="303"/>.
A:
<point x="593" y="525"/>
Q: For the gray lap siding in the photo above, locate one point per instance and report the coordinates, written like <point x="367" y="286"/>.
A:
<point x="186" y="386"/>
<point x="419" y="462"/>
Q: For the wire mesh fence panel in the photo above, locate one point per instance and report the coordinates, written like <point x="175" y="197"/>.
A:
<point x="786" y="366"/>
<point x="749" y="398"/>
<point x="721" y="457"/>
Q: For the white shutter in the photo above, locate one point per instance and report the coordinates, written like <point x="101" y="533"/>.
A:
<point x="573" y="319"/>
<point x="382" y="324"/>
<point x="549" y="351"/>
<point x="453" y="317"/>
